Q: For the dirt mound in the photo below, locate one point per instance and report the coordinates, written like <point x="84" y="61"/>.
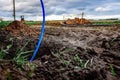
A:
<point x="53" y="23"/>
<point x="20" y="28"/>
<point x="16" y="25"/>
<point x="77" y="21"/>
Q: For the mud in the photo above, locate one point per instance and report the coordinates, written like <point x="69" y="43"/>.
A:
<point x="66" y="54"/>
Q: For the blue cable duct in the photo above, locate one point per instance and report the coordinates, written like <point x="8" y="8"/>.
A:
<point x="41" y="34"/>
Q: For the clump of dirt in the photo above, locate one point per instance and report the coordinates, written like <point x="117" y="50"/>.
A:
<point x="77" y="21"/>
<point x="9" y="71"/>
<point x="55" y="23"/>
<point x="19" y="28"/>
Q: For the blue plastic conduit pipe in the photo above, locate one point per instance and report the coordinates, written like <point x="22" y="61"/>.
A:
<point x="41" y="34"/>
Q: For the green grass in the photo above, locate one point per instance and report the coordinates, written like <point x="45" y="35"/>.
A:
<point x="80" y="61"/>
<point x="106" y="22"/>
<point x="33" y="23"/>
<point x="4" y="52"/>
<point x="112" y="70"/>
<point x="4" y="23"/>
<point x="21" y="56"/>
<point x="94" y="22"/>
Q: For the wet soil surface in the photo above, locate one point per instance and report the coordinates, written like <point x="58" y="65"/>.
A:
<point x="65" y="54"/>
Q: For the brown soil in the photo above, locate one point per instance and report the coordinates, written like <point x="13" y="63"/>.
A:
<point x="77" y="21"/>
<point x="20" y="28"/>
<point x="53" y="23"/>
<point x="65" y="54"/>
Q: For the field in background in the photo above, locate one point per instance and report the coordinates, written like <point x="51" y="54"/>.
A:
<point x="30" y="23"/>
<point x="105" y="21"/>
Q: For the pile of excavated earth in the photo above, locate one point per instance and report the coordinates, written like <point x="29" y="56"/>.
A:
<point x="20" y="28"/>
<point x="77" y="21"/>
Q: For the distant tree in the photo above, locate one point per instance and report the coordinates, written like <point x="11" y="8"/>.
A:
<point x="112" y="19"/>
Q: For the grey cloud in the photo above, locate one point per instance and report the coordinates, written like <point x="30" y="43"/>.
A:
<point x="53" y="7"/>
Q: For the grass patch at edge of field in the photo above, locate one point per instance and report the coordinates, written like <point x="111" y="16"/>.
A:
<point x="4" y="23"/>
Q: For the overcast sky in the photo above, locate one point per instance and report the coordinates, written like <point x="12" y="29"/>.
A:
<point x="56" y="9"/>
